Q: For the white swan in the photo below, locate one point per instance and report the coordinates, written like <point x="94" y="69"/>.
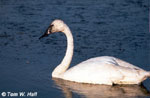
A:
<point x="99" y="70"/>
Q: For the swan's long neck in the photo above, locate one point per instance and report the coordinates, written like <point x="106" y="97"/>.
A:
<point x="63" y="66"/>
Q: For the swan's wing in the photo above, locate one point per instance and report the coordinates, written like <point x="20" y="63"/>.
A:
<point x="125" y="64"/>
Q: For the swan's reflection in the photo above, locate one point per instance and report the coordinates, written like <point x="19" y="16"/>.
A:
<point x="101" y="91"/>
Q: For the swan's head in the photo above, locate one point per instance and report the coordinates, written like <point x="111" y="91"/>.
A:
<point x="56" y="26"/>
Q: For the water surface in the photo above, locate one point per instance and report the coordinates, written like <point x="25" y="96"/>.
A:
<point x="115" y="28"/>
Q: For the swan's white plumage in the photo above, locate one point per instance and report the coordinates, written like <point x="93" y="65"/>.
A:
<point x="105" y="70"/>
<point x="99" y="70"/>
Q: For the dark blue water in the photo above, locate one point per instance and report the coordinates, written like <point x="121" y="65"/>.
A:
<point x="117" y="28"/>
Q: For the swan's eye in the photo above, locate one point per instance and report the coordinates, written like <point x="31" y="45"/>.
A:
<point x="50" y="27"/>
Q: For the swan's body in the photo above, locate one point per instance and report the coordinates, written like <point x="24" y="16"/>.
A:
<point x="99" y="70"/>
<point x="105" y="70"/>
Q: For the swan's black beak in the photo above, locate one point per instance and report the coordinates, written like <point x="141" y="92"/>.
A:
<point x="47" y="32"/>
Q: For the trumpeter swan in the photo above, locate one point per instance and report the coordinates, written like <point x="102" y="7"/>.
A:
<point x="99" y="70"/>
